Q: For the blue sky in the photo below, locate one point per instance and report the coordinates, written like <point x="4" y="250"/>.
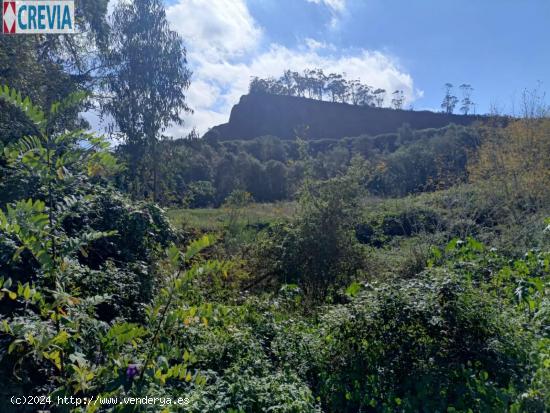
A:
<point x="500" y="47"/>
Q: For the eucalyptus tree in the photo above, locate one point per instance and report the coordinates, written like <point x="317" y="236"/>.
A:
<point x="466" y="103"/>
<point x="320" y="81"/>
<point x="449" y="101"/>
<point x="310" y="81"/>
<point x="287" y="82"/>
<point x="336" y="86"/>
<point x="398" y="98"/>
<point x="257" y="85"/>
<point x="314" y="84"/>
<point x="365" y="95"/>
<point x="354" y="88"/>
<point x="379" y="96"/>
<point x="146" y="84"/>
<point x="300" y="84"/>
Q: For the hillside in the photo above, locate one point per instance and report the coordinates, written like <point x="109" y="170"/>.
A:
<point x="262" y="114"/>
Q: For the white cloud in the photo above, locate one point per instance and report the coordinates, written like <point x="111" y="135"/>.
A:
<point x="215" y="28"/>
<point x="335" y="5"/>
<point x="373" y="68"/>
<point x="337" y="9"/>
<point x="203" y="94"/>
<point x="219" y="84"/>
<point x="313" y="44"/>
<point x="224" y="51"/>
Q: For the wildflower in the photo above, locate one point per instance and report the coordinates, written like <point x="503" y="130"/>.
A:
<point x="132" y="371"/>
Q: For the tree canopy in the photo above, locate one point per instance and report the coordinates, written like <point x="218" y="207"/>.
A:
<point x="147" y="79"/>
<point x="315" y="84"/>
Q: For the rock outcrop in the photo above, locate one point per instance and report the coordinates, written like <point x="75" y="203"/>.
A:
<point x="285" y="116"/>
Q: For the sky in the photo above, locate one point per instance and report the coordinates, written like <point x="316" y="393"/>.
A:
<point x="500" y="47"/>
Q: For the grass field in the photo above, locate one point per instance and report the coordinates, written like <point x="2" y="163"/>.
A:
<point x="212" y="219"/>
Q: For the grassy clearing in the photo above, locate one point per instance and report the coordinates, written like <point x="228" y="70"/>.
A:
<point x="213" y="219"/>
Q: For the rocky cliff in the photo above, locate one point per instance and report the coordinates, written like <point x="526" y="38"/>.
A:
<point x="263" y="114"/>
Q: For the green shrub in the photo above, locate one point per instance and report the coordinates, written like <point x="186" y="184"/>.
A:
<point x="242" y="377"/>
<point x="141" y="228"/>
<point x="411" y="222"/>
<point x="317" y="250"/>
<point x="431" y="344"/>
<point x="200" y="194"/>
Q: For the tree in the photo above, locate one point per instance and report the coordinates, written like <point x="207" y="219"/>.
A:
<point x="309" y="81"/>
<point x="276" y="180"/>
<point x="355" y="91"/>
<point x="379" y="96"/>
<point x="397" y="99"/>
<point x="466" y="104"/>
<point x="313" y="83"/>
<point x="287" y="81"/>
<point x="513" y="161"/>
<point x="49" y="68"/>
<point x="330" y="86"/>
<point x="258" y="85"/>
<point x="365" y="95"/>
<point x="300" y="83"/>
<point x="337" y="87"/>
<point x="146" y="84"/>
<point x="317" y="250"/>
<point x="449" y="101"/>
<point x="320" y="81"/>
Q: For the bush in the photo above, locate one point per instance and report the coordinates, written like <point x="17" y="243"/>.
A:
<point x="243" y="378"/>
<point x="411" y="222"/>
<point x="365" y="233"/>
<point x="379" y="228"/>
<point x="200" y="194"/>
<point x="318" y="250"/>
<point x="141" y="228"/>
<point x="432" y="344"/>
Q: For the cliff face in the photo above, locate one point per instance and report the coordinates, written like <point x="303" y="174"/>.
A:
<point x="263" y="114"/>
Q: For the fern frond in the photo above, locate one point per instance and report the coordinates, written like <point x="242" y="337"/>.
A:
<point x="71" y="101"/>
<point x="27" y="150"/>
<point x="33" y="113"/>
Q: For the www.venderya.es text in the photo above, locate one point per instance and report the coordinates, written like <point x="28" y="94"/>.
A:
<point x="98" y="400"/>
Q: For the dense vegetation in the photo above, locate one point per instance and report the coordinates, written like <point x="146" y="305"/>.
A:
<point x="405" y="272"/>
<point x="347" y="305"/>
<point x="202" y="173"/>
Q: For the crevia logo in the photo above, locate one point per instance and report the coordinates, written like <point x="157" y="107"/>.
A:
<point x="38" y="16"/>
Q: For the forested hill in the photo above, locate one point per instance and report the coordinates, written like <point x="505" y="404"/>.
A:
<point x="260" y="114"/>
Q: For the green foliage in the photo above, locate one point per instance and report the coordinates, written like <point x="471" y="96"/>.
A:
<point x="427" y="163"/>
<point x="444" y="308"/>
<point x="32" y="112"/>
<point x="49" y="68"/>
<point x="408" y="222"/>
<point x="147" y="81"/>
<point x="317" y="250"/>
<point x="199" y="194"/>
<point x="53" y="330"/>
<point x="141" y="228"/>
<point x="434" y="343"/>
<point x="198" y="172"/>
<point x="455" y="338"/>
